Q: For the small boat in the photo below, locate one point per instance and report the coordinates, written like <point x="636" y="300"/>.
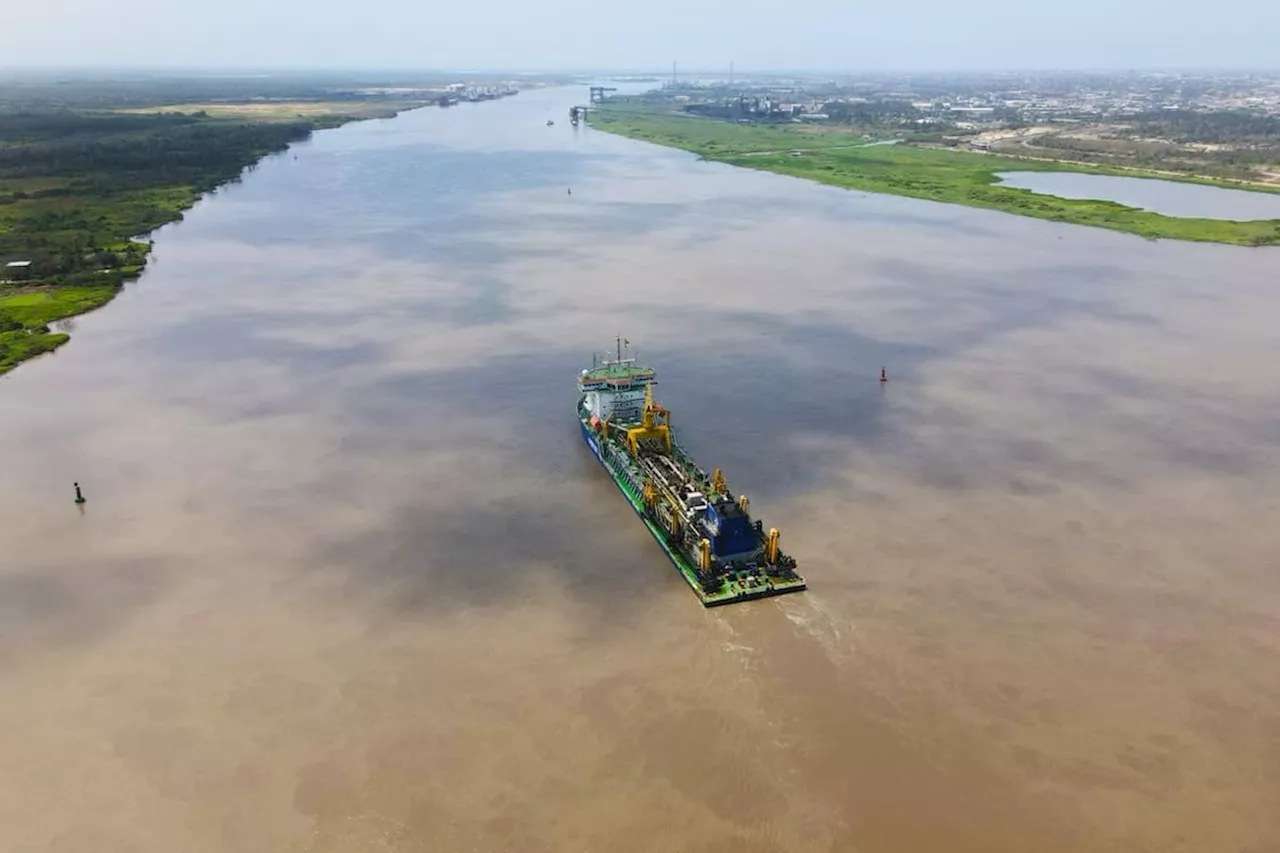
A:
<point x="550" y="122"/>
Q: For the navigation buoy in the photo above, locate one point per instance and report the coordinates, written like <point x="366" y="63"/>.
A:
<point x="884" y="377"/>
<point x="569" y="190"/>
<point x="79" y="496"/>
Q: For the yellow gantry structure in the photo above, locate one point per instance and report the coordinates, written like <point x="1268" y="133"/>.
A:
<point x="655" y="426"/>
<point x="650" y="494"/>
<point x="673" y="516"/>
<point x="771" y="547"/>
<point x="654" y="435"/>
<point x="652" y="498"/>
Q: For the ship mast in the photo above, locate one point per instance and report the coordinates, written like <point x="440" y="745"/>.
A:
<point x="621" y="344"/>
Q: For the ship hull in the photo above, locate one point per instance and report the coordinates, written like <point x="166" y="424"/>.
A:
<point x="677" y="559"/>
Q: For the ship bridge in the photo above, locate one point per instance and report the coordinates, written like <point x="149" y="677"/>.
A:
<point x="614" y="389"/>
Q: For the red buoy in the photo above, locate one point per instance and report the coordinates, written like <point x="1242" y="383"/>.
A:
<point x="884" y="377"/>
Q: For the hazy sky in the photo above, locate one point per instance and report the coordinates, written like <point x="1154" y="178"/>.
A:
<point x="561" y="34"/>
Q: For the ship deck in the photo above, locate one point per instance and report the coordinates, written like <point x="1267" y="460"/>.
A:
<point x="736" y="588"/>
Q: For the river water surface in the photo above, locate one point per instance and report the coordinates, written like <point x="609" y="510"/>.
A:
<point x="1171" y="198"/>
<point x="347" y="580"/>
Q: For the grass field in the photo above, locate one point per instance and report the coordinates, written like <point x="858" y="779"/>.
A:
<point x="17" y="347"/>
<point x="719" y="139"/>
<point x="936" y="174"/>
<point x="38" y="306"/>
<point x="26" y="312"/>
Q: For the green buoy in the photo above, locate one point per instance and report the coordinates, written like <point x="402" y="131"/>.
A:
<point x="79" y="497"/>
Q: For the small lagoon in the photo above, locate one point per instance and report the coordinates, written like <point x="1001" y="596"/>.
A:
<point x="1171" y="198"/>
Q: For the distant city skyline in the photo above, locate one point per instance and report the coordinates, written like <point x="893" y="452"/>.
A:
<point x="565" y="35"/>
<point x="659" y="72"/>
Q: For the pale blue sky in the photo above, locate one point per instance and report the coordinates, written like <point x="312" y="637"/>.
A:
<point x="835" y="35"/>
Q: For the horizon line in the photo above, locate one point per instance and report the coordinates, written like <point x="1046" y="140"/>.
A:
<point x="661" y="73"/>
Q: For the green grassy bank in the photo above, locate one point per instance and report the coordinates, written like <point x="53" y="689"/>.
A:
<point x="25" y="314"/>
<point x="843" y="159"/>
<point x="76" y="187"/>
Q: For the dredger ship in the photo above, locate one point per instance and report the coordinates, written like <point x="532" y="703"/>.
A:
<point x="705" y="530"/>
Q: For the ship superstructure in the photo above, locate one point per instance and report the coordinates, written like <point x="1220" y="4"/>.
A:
<point x="705" y="530"/>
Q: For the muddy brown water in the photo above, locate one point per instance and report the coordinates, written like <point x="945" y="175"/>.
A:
<point x="347" y="580"/>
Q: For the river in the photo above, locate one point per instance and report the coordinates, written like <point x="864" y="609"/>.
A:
<point x="347" y="580"/>
<point x="1170" y="198"/>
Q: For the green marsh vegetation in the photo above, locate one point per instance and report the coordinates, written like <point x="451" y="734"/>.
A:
<point x="26" y="313"/>
<point x="718" y="139"/>
<point x="841" y="156"/>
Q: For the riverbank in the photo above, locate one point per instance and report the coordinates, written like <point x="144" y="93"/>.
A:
<point x="321" y="113"/>
<point x="918" y="169"/>
<point x="78" y="188"/>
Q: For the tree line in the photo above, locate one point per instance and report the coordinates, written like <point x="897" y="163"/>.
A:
<point x="120" y="152"/>
<point x="106" y="178"/>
